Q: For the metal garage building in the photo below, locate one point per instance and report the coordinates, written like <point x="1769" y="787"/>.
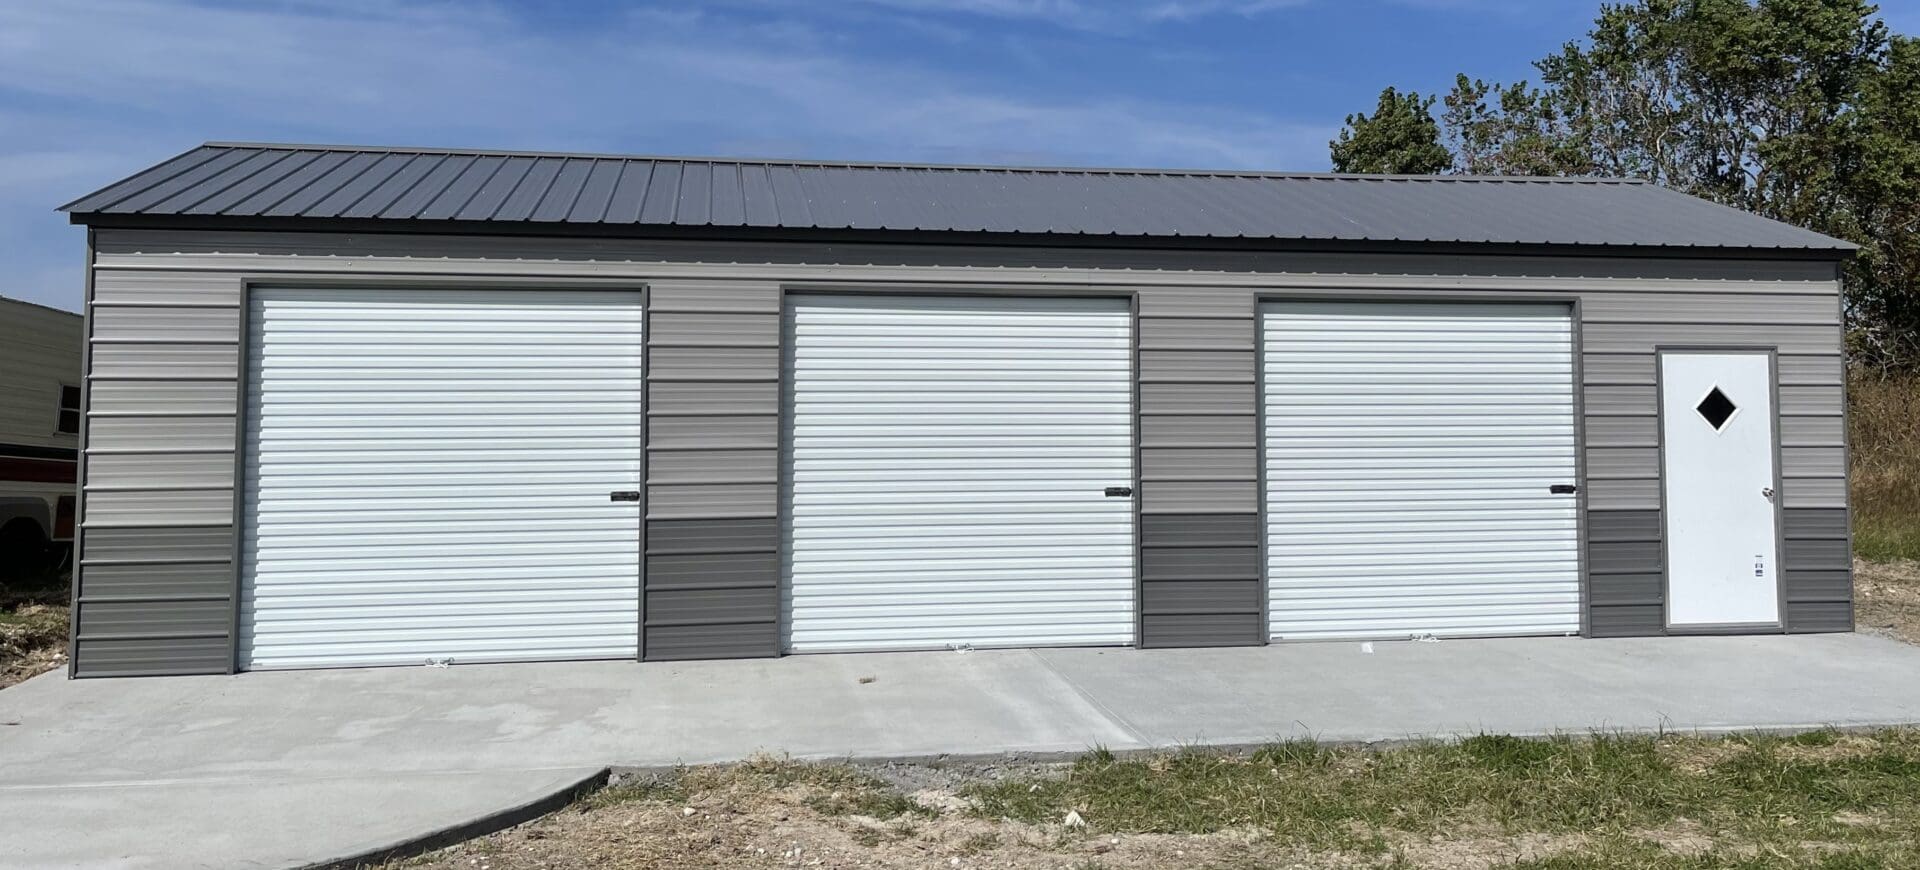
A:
<point x="371" y="406"/>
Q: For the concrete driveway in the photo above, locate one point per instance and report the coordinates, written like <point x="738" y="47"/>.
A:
<point x="281" y="769"/>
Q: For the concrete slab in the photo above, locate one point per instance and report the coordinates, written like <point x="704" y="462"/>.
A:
<point x="1406" y="690"/>
<point x="274" y="769"/>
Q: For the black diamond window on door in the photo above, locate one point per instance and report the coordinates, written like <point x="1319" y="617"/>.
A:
<point x="1716" y="408"/>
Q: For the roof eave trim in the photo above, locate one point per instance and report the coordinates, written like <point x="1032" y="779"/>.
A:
<point x="1840" y="251"/>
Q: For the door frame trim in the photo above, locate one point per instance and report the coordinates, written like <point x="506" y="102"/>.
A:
<point x="1576" y="322"/>
<point x="252" y="281"/>
<point x="783" y="491"/>
<point x="1779" y="625"/>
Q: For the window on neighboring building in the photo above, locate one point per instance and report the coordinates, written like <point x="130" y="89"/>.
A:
<point x="69" y="410"/>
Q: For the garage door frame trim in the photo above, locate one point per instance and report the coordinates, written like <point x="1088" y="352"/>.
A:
<point x="360" y="281"/>
<point x="1385" y="295"/>
<point x="784" y="501"/>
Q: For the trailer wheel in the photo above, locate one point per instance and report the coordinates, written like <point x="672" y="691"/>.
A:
<point x="23" y="550"/>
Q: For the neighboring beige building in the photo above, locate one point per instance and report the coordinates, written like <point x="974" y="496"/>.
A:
<point x="39" y="430"/>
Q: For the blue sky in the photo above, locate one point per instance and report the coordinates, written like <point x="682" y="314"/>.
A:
<point x="91" y="90"/>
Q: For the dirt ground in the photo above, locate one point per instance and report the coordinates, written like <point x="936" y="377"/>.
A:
<point x="1887" y="598"/>
<point x="33" y="640"/>
<point x="805" y="825"/>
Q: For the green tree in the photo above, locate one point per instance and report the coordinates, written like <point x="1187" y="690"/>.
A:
<point x="1806" y="111"/>
<point x="1881" y="172"/>
<point x="1400" y="138"/>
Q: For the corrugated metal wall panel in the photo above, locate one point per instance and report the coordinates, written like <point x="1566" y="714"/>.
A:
<point x="158" y="434"/>
<point x="713" y="436"/>
<point x="947" y="463"/>
<point x="106" y="507"/>
<point x="427" y="476"/>
<point x="1409" y="451"/>
<point x="164" y="397"/>
<point x="166" y="324"/>
<point x="165" y="361"/>
<point x="157" y="512"/>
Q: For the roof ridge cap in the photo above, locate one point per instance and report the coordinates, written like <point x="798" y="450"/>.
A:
<point x="956" y="167"/>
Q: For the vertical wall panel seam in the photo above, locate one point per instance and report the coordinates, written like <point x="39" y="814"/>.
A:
<point x="1263" y="594"/>
<point x="239" y="472"/>
<point x="1846" y="440"/>
<point x="1660" y="446"/>
<point x="646" y="437"/>
<point x="783" y="473"/>
<point x="1779" y="499"/>
<point x="1139" y="476"/>
<point x="1581" y="530"/>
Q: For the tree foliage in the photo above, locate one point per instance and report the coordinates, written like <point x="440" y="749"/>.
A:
<point x="1400" y="138"/>
<point x="1806" y="111"/>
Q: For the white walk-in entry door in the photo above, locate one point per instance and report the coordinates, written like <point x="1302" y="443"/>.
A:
<point x="947" y="465"/>
<point x="1717" y="437"/>
<point x="1420" y="472"/>
<point x="428" y="475"/>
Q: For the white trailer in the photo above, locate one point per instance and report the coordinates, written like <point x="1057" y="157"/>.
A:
<point x="39" y="433"/>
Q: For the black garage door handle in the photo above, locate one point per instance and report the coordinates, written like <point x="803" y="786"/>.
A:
<point x="1119" y="491"/>
<point x="624" y="495"/>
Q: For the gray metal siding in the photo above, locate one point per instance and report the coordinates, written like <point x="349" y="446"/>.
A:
<point x="1200" y="577"/>
<point x="1623" y="458"/>
<point x="716" y="407"/>
<point x="154" y="579"/>
<point x="711" y="587"/>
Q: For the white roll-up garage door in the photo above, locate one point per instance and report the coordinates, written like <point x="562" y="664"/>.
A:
<point x="428" y="476"/>
<point x="1409" y="453"/>
<point x="947" y="462"/>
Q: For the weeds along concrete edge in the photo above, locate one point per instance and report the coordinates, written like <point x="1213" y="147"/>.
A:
<point x="528" y="811"/>
<point x="625" y="772"/>
<point x="498" y="820"/>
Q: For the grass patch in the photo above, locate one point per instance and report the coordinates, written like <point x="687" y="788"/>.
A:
<point x="1884" y="433"/>
<point x="1754" y="791"/>
<point x="33" y="625"/>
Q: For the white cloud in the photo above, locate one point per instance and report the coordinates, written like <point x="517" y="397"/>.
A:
<point x="94" y="89"/>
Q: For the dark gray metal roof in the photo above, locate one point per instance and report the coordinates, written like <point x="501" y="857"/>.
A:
<point x="243" y="181"/>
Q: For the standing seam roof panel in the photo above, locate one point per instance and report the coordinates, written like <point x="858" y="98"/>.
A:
<point x="352" y="192"/>
<point x="596" y="193"/>
<point x="462" y="189"/>
<point x="630" y="193"/>
<point x="429" y="188"/>
<point x="270" y="196"/>
<point x="533" y="186"/>
<point x="563" y="192"/>
<point x="663" y="194"/>
<point x="377" y="200"/>
<point x="144" y="180"/>
<point x="487" y="200"/>
<point x="187" y="200"/>
<point x="758" y="207"/>
<point x="242" y="189"/>
<point x="307" y="199"/>
<point x="238" y="181"/>
<point x="139" y="202"/>
<point x="790" y="197"/>
<point x="695" y="203"/>
<point x="728" y="204"/>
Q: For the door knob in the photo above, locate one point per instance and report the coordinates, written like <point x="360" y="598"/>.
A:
<point x="1767" y="491"/>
